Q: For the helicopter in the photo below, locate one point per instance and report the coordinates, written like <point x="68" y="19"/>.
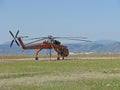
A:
<point x="48" y="42"/>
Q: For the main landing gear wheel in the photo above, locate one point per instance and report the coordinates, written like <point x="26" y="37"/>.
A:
<point x="36" y="58"/>
<point x="58" y="58"/>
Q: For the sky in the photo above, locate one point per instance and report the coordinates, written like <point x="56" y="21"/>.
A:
<point x="95" y="19"/>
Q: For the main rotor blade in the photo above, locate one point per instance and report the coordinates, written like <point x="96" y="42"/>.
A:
<point x="34" y="41"/>
<point x="23" y="36"/>
<point x="71" y="37"/>
<point x="81" y="40"/>
<point x="58" y="38"/>
<point x="40" y="38"/>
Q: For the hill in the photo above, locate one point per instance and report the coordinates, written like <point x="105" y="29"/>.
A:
<point x="95" y="47"/>
<point x="102" y="46"/>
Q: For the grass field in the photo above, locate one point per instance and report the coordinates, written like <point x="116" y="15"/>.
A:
<point x="93" y="74"/>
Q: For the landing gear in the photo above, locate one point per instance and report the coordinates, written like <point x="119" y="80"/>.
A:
<point x="36" y="58"/>
<point x="37" y="51"/>
<point x="58" y="58"/>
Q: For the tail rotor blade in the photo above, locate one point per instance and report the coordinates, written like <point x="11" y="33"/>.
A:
<point x="16" y="34"/>
<point x="11" y="34"/>
<point x="17" y="43"/>
<point x="14" y="38"/>
<point x="11" y="43"/>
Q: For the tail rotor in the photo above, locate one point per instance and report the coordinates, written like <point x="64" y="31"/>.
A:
<point x="14" y="38"/>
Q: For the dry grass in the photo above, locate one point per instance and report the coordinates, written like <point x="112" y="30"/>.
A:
<point x="93" y="73"/>
<point x="82" y="56"/>
<point x="41" y="79"/>
<point x="65" y="78"/>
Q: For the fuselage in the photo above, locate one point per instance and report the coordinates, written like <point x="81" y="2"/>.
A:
<point x="56" y="45"/>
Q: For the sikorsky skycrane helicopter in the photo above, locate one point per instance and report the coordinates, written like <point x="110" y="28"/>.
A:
<point x="49" y="42"/>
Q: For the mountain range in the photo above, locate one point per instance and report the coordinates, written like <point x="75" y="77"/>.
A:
<point x="101" y="46"/>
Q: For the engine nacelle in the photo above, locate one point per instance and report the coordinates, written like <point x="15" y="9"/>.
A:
<point x="56" y="42"/>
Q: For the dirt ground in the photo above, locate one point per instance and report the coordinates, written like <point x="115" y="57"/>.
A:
<point x="70" y="57"/>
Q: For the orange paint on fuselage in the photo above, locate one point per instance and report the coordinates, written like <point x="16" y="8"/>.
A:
<point x="60" y="49"/>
